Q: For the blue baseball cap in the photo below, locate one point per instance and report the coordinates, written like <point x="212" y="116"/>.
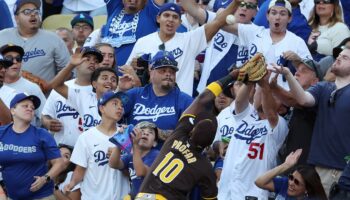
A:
<point x="23" y="96"/>
<point x="164" y="59"/>
<point x="83" y="17"/>
<point x="109" y="95"/>
<point x="93" y="51"/>
<point x="170" y="7"/>
<point x="20" y="3"/>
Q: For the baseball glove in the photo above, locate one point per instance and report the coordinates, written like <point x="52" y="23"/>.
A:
<point x="254" y="69"/>
<point x="37" y="80"/>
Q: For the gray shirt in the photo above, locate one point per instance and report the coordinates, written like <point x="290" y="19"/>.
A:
<point x="45" y="53"/>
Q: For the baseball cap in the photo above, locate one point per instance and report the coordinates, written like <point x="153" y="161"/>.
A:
<point x="109" y="95"/>
<point x="93" y="51"/>
<point x="20" y="3"/>
<point x="281" y="3"/>
<point x="340" y="47"/>
<point x="314" y="66"/>
<point x="4" y="62"/>
<point x="83" y="17"/>
<point x="147" y="124"/>
<point x="23" y="96"/>
<point x="164" y="59"/>
<point x="170" y="7"/>
<point x="11" y="47"/>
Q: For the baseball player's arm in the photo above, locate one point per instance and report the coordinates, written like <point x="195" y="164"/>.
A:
<point x="58" y="82"/>
<point x="5" y="117"/>
<point x="114" y="160"/>
<point x="192" y="8"/>
<point x="220" y="20"/>
<point x="303" y="98"/>
<point x="242" y="98"/>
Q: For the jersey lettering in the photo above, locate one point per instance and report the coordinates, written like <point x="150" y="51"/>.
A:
<point x="101" y="158"/>
<point x="141" y="112"/>
<point x="255" y="150"/>
<point x="249" y="133"/>
<point x="219" y="42"/>
<point x="32" y="54"/>
<point x="170" y="168"/>
<point x="62" y="110"/>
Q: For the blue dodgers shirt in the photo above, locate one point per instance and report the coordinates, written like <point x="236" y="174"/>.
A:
<point x="164" y="111"/>
<point x="136" y="181"/>
<point x="123" y="36"/>
<point x="23" y="156"/>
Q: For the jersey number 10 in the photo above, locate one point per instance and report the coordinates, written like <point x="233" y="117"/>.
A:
<point x="255" y="150"/>
<point x="169" y="168"/>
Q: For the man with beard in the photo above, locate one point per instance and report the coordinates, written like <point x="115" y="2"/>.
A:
<point x="161" y="101"/>
<point x="44" y="52"/>
<point x="330" y="139"/>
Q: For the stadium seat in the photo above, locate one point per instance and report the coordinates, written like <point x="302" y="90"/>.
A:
<point x="99" y="21"/>
<point x="53" y="22"/>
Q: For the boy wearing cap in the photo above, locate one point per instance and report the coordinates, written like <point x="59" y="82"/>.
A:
<point x="14" y="79"/>
<point x="25" y="151"/>
<point x="144" y="136"/>
<point x="82" y="26"/>
<point x="184" y="46"/>
<point x="98" y="180"/>
<point x="161" y="101"/>
<point x="44" y="52"/>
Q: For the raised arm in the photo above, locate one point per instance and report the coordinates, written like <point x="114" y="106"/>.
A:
<point x="192" y="8"/>
<point x="114" y="160"/>
<point x="283" y="95"/>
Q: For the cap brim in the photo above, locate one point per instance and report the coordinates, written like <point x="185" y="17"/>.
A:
<point x="36" y="101"/>
<point x="98" y="55"/>
<point x="171" y="66"/>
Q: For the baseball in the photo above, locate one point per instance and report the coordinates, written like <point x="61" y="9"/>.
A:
<point x="230" y="19"/>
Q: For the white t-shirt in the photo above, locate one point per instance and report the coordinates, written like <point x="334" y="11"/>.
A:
<point x="100" y="181"/>
<point x="251" y="152"/>
<point x="67" y="181"/>
<point x="23" y="85"/>
<point x="258" y="39"/>
<point x="86" y="104"/>
<point x="184" y="46"/>
<point x="57" y="107"/>
<point x="83" y="5"/>
<point x="225" y="121"/>
<point x="7" y="94"/>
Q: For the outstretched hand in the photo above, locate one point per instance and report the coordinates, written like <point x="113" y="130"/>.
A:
<point x="77" y="58"/>
<point x="293" y="158"/>
<point x="279" y="69"/>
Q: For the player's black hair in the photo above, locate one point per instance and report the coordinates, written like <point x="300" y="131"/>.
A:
<point x="97" y="73"/>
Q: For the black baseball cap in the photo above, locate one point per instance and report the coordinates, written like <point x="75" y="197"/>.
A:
<point x="12" y="47"/>
<point x="20" y="3"/>
<point x="93" y="51"/>
<point x="339" y="48"/>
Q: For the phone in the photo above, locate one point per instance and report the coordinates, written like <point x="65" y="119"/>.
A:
<point x="251" y="198"/>
<point x="123" y="139"/>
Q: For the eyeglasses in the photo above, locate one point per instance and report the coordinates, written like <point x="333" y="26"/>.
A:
<point x="82" y="27"/>
<point x="296" y="181"/>
<point x="161" y="47"/>
<point x="248" y="5"/>
<point x="27" y="12"/>
<point x="324" y="1"/>
<point x="344" y="47"/>
<point x="11" y="58"/>
<point x="332" y="98"/>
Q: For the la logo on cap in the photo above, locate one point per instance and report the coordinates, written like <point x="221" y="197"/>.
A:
<point x="172" y="8"/>
<point x="82" y="16"/>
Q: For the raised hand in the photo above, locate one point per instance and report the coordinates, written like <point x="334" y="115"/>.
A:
<point x="293" y="158"/>
<point x="77" y="58"/>
<point x="279" y="69"/>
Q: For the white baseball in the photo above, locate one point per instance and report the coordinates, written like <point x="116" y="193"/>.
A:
<point x="230" y="19"/>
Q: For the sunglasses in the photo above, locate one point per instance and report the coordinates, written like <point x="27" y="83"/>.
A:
<point x="30" y="11"/>
<point x="11" y="58"/>
<point x="293" y="179"/>
<point x="248" y="5"/>
<point x="324" y="1"/>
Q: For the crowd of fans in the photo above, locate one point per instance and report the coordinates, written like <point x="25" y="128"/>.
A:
<point x="173" y="76"/>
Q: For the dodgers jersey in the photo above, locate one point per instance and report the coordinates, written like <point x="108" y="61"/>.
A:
<point x="225" y="119"/>
<point x="100" y="181"/>
<point x="58" y="108"/>
<point x="184" y="46"/>
<point x="258" y="39"/>
<point x="251" y="152"/>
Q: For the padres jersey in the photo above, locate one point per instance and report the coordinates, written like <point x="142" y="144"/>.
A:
<point x="179" y="167"/>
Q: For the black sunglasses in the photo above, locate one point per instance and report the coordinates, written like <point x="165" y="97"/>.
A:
<point x="296" y="181"/>
<point x="11" y="58"/>
<point x="324" y="1"/>
<point x="248" y="5"/>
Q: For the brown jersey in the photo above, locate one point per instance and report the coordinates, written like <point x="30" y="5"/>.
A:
<point x="179" y="167"/>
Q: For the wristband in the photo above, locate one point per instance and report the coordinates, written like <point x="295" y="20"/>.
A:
<point x="215" y="88"/>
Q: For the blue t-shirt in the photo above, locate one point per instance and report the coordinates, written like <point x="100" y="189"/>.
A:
<point x="281" y="188"/>
<point x="298" y="25"/>
<point x="164" y="111"/>
<point x="136" y="181"/>
<point x="330" y="138"/>
<point x="219" y="163"/>
<point x="23" y="156"/>
<point x="123" y="36"/>
<point x="346" y="10"/>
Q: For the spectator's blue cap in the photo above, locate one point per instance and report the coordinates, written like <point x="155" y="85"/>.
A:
<point x="170" y="7"/>
<point x="109" y="95"/>
<point x="83" y="17"/>
<point x="93" y="51"/>
<point x="4" y="62"/>
<point x="164" y="59"/>
<point x="20" y="3"/>
<point x="23" y="96"/>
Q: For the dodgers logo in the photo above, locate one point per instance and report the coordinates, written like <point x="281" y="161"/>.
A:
<point x="177" y="52"/>
<point x="249" y="133"/>
<point x="226" y="131"/>
<point x="141" y="112"/>
<point x="243" y="55"/>
<point x="32" y="54"/>
<point x="64" y="110"/>
<point x="253" y="50"/>
<point x="101" y="158"/>
<point x="219" y="42"/>
<point x="89" y="121"/>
